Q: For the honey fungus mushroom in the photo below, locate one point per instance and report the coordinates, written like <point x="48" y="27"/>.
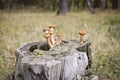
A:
<point x="51" y="31"/>
<point x="52" y="27"/>
<point x="82" y="33"/>
<point x="58" y="38"/>
<point x="47" y="36"/>
<point x="46" y="30"/>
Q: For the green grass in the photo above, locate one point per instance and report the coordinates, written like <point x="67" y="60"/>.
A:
<point x="103" y="28"/>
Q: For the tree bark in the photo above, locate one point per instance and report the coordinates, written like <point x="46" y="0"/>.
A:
<point x="114" y="4"/>
<point x="63" y="62"/>
<point x="42" y="3"/>
<point x="67" y="61"/>
<point x="103" y="5"/>
<point x="119" y="5"/>
<point x="1" y="4"/>
<point x="83" y="4"/>
<point x="76" y="3"/>
<point x="54" y="5"/>
<point x="90" y="6"/>
<point x="96" y="3"/>
<point x="106" y="5"/>
<point x="69" y="5"/>
<point x="62" y="7"/>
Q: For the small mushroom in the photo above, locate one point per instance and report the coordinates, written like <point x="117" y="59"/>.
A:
<point x="82" y="33"/>
<point x="47" y="36"/>
<point x="59" y="38"/>
<point x="51" y="31"/>
<point x="52" y="27"/>
<point x="46" y="30"/>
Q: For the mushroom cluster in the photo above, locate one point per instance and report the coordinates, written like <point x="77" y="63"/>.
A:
<point x="51" y="38"/>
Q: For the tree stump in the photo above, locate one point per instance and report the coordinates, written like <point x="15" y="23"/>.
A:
<point x="65" y="61"/>
<point x="62" y="9"/>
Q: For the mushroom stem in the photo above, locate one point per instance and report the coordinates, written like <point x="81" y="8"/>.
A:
<point x="58" y="39"/>
<point x="52" y="37"/>
<point x="81" y="39"/>
<point x="49" y="42"/>
<point x="47" y="36"/>
<point x="82" y="33"/>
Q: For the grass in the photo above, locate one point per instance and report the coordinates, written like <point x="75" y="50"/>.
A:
<point x="18" y="28"/>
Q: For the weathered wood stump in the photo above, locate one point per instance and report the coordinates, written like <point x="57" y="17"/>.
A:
<point x="65" y="61"/>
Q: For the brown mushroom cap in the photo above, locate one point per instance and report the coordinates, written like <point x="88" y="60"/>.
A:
<point x="47" y="35"/>
<point x="82" y="32"/>
<point x="52" y="26"/>
<point x="59" y="34"/>
<point x="45" y="29"/>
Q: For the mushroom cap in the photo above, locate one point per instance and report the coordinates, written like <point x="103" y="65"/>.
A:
<point x="52" y="26"/>
<point x="59" y="34"/>
<point x="47" y="35"/>
<point x="45" y="29"/>
<point x="82" y="32"/>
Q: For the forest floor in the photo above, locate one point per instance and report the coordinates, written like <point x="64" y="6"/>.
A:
<point x="103" y="29"/>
